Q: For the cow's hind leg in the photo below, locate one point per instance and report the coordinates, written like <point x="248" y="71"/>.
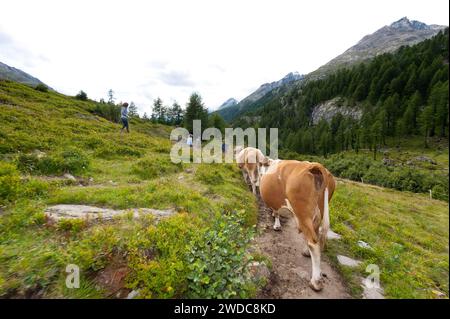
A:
<point x="313" y="243"/>
<point x="254" y="180"/>
<point x="305" y="250"/>
<point x="277" y="224"/>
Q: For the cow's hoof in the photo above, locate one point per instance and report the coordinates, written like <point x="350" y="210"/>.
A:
<point x="316" y="285"/>
<point x="277" y="228"/>
<point x="306" y="252"/>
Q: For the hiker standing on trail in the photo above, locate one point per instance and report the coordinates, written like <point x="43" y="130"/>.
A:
<point x="189" y="140"/>
<point x="124" y="117"/>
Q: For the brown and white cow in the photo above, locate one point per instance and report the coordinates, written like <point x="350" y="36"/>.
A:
<point x="304" y="189"/>
<point x="250" y="160"/>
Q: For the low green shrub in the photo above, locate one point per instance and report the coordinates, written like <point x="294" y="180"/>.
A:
<point x="111" y="151"/>
<point x="158" y="263"/>
<point x="74" y="225"/>
<point x="71" y="160"/>
<point x="74" y="161"/>
<point x="209" y="174"/>
<point x="108" y="111"/>
<point x="218" y="262"/>
<point x="41" y="87"/>
<point x="155" y="166"/>
<point x="9" y="182"/>
<point x="34" y="188"/>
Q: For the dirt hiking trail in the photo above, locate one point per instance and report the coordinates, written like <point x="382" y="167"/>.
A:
<point x="291" y="271"/>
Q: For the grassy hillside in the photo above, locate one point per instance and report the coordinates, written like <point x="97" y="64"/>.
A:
<point x="408" y="235"/>
<point x="44" y="135"/>
<point x="199" y="252"/>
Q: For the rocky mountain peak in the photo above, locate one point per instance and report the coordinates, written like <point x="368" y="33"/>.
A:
<point x="404" y="24"/>
<point x="229" y="102"/>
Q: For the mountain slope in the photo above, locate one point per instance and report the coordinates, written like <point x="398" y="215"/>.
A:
<point x="228" y="103"/>
<point x="12" y="74"/>
<point x="403" y="32"/>
<point x="230" y="112"/>
<point x="387" y="39"/>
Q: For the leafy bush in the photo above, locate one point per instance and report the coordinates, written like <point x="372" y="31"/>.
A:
<point x="9" y="182"/>
<point x="154" y="166"/>
<point x="74" y="160"/>
<point x="71" y="160"/>
<point x="41" y="87"/>
<point x="81" y="96"/>
<point x="74" y="225"/>
<point x="182" y="258"/>
<point x="158" y="263"/>
<point x="108" y="111"/>
<point x="208" y="174"/>
<point x="218" y="262"/>
<point x="34" y="188"/>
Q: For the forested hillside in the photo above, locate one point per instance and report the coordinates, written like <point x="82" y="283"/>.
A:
<point x="400" y="94"/>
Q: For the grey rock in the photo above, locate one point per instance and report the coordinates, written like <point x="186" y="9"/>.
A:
<point x="133" y="294"/>
<point x="327" y="110"/>
<point x="347" y="261"/>
<point x="388" y="161"/>
<point x="332" y="235"/>
<point x="39" y="154"/>
<point x="363" y="244"/>
<point x="425" y="159"/>
<point x="65" y="211"/>
<point x="371" y="290"/>
<point x="69" y="177"/>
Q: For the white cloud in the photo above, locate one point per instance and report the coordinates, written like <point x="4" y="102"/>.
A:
<point x="221" y="49"/>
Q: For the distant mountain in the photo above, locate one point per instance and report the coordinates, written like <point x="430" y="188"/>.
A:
<point x="10" y="73"/>
<point x="228" y="113"/>
<point x="266" y="87"/>
<point x="403" y="32"/>
<point x="229" y="102"/>
<point x="387" y="39"/>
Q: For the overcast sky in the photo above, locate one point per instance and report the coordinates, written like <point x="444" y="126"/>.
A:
<point x="221" y="49"/>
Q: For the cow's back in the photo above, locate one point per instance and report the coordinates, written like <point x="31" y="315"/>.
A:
<point x="293" y="178"/>
<point x="273" y="183"/>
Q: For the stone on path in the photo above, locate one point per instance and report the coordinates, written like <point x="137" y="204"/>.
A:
<point x="58" y="212"/>
<point x="347" y="261"/>
<point x="69" y="177"/>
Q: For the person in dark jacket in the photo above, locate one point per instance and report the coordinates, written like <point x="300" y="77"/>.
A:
<point x="124" y="117"/>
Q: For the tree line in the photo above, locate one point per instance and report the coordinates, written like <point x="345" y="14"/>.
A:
<point x="169" y="115"/>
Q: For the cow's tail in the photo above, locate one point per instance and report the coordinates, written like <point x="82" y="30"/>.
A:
<point x="325" y="220"/>
<point x="319" y="174"/>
